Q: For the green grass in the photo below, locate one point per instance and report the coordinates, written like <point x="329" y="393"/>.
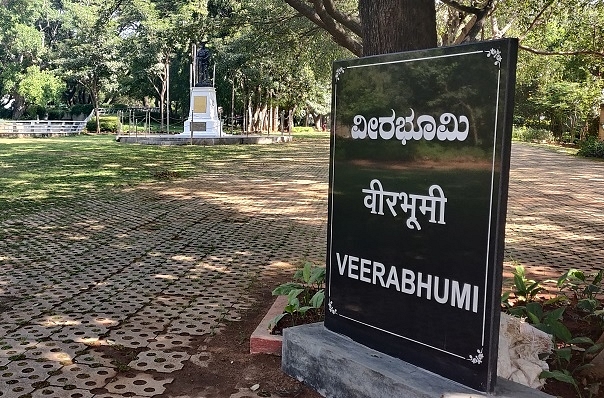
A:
<point x="38" y="172"/>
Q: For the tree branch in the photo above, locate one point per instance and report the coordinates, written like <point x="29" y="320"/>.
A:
<point x="307" y="11"/>
<point x="319" y="16"/>
<point x="354" y="24"/>
<point x="474" y="26"/>
<point x="461" y="7"/>
<point x="536" y="19"/>
<point x="578" y="52"/>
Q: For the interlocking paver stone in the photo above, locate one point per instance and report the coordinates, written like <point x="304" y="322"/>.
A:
<point x="82" y="376"/>
<point x="142" y="276"/>
<point x="141" y="384"/>
<point x="59" y="392"/>
<point x="33" y="370"/>
<point x="160" y="361"/>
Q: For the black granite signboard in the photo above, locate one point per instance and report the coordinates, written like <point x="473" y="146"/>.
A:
<point x="417" y="197"/>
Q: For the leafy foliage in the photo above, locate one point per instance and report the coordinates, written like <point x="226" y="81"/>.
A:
<point x="531" y="134"/>
<point x="525" y="289"/>
<point x="592" y="148"/>
<point x="305" y="293"/>
<point x="572" y="354"/>
<point x="107" y="124"/>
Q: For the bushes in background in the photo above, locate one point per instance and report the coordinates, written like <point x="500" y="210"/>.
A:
<point x="592" y="147"/>
<point x="530" y="134"/>
<point x="107" y="124"/>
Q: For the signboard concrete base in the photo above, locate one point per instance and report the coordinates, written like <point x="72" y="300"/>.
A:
<point x="336" y="366"/>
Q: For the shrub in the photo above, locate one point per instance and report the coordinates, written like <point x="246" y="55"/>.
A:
<point x="79" y="109"/>
<point x="302" y="129"/>
<point x="591" y="147"/>
<point x="55" y="114"/>
<point x="108" y="124"/>
<point x="34" y="112"/>
<point x="530" y="134"/>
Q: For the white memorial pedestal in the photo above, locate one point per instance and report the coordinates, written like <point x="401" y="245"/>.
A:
<point x="203" y="118"/>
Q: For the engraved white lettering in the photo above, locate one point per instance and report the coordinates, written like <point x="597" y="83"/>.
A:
<point x="448" y="128"/>
<point x="442" y="291"/>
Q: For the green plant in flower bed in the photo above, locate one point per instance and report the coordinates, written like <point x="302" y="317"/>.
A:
<point x="585" y="290"/>
<point x="525" y="289"/>
<point x="306" y="293"/>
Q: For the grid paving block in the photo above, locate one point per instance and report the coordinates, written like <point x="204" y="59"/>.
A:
<point x="193" y="326"/>
<point x="94" y="358"/>
<point x="13" y="347"/>
<point x="75" y="318"/>
<point x="82" y="376"/>
<point x="60" y="392"/>
<point x="160" y="361"/>
<point x="139" y="384"/>
<point x="243" y="393"/>
<point x="118" y="308"/>
<point x="160" y="311"/>
<point x="55" y="351"/>
<point x="7" y="328"/>
<point x="135" y="334"/>
<point x="168" y="341"/>
<point x="108" y="395"/>
<point x="81" y="333"/>
<point x="154" y="323"/>
<point x="202" y="359"/>
<point x="33" y="370"/>
<point x="17" y="318"/>
<point x="14" y="389"/>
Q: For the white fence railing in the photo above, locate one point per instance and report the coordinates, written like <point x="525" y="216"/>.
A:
<point x="40" y="128"/>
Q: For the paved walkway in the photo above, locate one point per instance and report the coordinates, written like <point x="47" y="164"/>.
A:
<point x="157" y="267"/>
<point x="555" y="212"/>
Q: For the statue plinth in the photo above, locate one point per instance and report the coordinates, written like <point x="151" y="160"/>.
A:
<point x="203" y="118"/>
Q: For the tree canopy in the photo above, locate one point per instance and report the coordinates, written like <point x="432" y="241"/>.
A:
<point x="273" y="57"/>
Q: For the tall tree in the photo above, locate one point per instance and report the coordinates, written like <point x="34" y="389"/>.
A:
<point x="91" y="55"/>
<point x="273" y="61"/>
<point x="383" y="26"/>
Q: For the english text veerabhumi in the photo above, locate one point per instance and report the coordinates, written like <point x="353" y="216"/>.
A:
<point x="429" y="287"/>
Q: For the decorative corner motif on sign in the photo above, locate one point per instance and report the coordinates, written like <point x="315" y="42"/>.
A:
<point x="478" y="358"/>
<point x="496" y="54"/>
<point x="339" y="71"/>
<point x="331" y="308"/>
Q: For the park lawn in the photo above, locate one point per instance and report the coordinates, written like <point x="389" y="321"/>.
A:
<point x="40" y="171"/>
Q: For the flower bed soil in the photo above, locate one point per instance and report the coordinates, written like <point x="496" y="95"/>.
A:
<point x="579" y="325"/>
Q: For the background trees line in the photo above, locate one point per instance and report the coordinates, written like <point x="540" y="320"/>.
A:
<point x="274" y="56"/>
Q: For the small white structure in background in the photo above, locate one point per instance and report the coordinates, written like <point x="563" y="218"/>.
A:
<point x="203" y="120"/>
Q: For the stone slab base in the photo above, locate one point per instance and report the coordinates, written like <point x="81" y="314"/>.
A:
<point x="261" y="341"/>
<point x="337" y="367"/>
<point x="180" y="140"/>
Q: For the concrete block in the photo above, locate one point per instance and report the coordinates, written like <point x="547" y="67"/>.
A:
<point x="337" y="367"/>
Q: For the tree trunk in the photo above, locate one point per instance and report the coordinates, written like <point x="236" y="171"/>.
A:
<point x="96" y="113"/>
<point x="601" y="126"/>
<point x="18" y="106"/>
<point x="275" y="118"/>
<point x="397" y="25"/>
<point x="290" y="120"/>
